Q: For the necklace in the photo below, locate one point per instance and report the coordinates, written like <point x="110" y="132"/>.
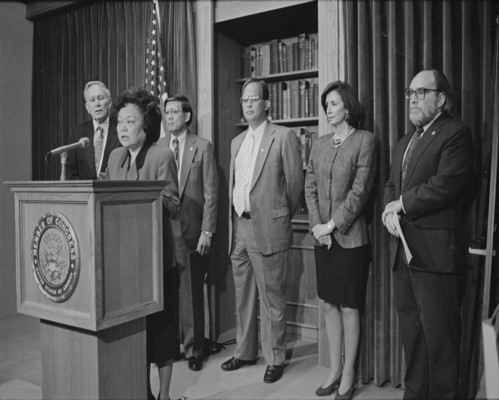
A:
<point x="339" y="142"/>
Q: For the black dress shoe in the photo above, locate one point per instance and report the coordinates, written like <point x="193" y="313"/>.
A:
<point x="326" y="391"/>
<point x="348" y="394"/>
<point x="195" y="363"/>
<point x="273" y="373"/>
<point x="235" y="363"/>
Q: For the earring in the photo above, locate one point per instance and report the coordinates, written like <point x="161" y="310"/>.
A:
<point x="347" y="116"/>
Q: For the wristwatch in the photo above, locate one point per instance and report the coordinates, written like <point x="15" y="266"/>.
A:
<point x="207" y="233"/>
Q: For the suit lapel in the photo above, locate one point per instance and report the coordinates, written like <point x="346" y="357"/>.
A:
<point x="89" y="150"/>
<point x="190" y="149"/>
<point x="235" y="146"/>
<point x="263" y="151"/>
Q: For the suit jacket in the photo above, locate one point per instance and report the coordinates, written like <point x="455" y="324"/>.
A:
<point x="156" y="163"/>
<point x="438" y="192"/>
<point x="198" y="186"/>
<point x="338" y="184"/>
<point x="80" y="162"/>
<point x="276" y="187"/>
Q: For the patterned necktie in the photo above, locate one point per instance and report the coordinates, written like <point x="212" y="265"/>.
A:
<point x="175" y="151"/>
<point x="98" y="145"/>
<point x="243" y="173"/>
<point x="412" y="145"/>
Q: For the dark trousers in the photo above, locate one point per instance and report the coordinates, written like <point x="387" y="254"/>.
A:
<point x="428" y="307"/>
<point x="192" y="271"/>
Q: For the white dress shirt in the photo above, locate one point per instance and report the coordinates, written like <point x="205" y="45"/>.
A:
<point x="258" y="135"/>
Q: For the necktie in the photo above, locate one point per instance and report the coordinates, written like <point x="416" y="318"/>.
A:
<point x="243" y="174"/>
<point x="175" y="151"/>
<point x="412" y="145"/>
<point x="98" y="145"/>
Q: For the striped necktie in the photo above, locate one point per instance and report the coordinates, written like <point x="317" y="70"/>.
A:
<point x="412" y="145"/>
<point x="98" y="146"/>
<point x="176" y="151"/>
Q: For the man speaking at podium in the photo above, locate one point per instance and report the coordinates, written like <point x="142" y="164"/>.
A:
<point x="88" y="162"/>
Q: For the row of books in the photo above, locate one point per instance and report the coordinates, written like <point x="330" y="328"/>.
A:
<point x="278" y="56"/>
<point x="294" y="99"/>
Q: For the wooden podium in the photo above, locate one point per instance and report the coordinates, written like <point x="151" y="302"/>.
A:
<point x="89" y="265"/>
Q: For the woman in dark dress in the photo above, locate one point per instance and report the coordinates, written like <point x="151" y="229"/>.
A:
<point x="140" y="158"/>
<point x="339" y="178"/>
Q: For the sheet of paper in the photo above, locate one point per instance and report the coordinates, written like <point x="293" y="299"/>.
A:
<point x="408" y="254"/>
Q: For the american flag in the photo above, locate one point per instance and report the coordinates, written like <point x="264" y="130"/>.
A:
<point x="155" y="72"/>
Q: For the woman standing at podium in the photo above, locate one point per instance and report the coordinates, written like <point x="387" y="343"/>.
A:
<point x="140" y="158"/>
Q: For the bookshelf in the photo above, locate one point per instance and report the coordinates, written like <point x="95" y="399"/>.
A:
<point x="226" y="28"/>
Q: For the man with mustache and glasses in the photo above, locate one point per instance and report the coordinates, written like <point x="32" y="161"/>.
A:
<point x="429" y="192"/>
<point x="87" y="163"/>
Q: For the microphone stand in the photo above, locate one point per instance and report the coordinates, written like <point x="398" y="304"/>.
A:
<point x="64" y="156"/>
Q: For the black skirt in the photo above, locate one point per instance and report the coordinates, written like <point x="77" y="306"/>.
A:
<point x="342" y="274"/>
<point x="162" y="327"/>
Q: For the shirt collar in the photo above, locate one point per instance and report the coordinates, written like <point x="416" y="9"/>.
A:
<point x="181" y="138"/>
<point x="432" y="121"/>
<point x="105" y="125"/>
<point x="259" y="130"/>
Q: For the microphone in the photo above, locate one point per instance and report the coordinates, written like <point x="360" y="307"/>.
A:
<point x="83" y="142"/>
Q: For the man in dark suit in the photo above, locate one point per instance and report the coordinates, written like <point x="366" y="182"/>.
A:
<point x="265" y="186"/>
<point x="194" y="227"/>
<point x="428" y="192"/>
<point x="87" y="163"/>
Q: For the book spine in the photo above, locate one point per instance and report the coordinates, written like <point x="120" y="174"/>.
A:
<point x="301" y="51"/>
<point x="280" y="66"/>
<point x="285" y="100"/>
<point x="253" y="62"/>
<point x="279" y="100"/>
<point x="294" y="99"/>
<point x="284" y="57"/>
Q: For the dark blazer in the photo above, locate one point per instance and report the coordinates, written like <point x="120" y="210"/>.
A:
<point x="338" y="184"/>
<point x="156" y="163"/>
<point x="276" y="187"/>
<point x="438" y="191"/>
<point x="198" y="186"/>
<point x="80" y="162"/>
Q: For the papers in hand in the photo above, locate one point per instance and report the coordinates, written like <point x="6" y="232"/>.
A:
<point x="396" y="222"/>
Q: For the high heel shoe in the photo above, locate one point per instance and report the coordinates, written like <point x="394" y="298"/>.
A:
<point x="349" y="393"/>
<point x="326" y="391"/>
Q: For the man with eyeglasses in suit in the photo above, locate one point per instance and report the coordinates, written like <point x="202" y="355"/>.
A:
<point x="429" y="192"/>
<point x="265" y="185"/>
<point x="196" y="224"/>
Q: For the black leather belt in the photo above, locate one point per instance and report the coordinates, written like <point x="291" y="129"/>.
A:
<point x="246" y="215"/>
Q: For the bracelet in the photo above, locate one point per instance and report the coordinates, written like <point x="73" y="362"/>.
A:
<point x="329" y="225"/>
<point x="207" y="233"/>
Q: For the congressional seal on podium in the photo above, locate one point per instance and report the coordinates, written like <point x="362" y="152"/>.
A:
<point x="56" y="256"/>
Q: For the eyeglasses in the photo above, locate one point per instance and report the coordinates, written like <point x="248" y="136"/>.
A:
<point x="249" y="99"/>
<point x="420" y="93"/>
<point x="172" y="111"/>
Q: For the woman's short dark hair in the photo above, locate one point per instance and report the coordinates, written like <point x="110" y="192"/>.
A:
<point x="355" y="109"/>
<point x="443" y="85"/>
<point x="148" y="105"/>
<point x="185" y="104"/>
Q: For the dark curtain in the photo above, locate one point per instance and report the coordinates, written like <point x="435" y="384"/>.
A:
<point x="103" y="41"/>
<point x="387" y="43"/>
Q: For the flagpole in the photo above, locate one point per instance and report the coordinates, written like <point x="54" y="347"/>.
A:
<point x="165" y="94"/>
